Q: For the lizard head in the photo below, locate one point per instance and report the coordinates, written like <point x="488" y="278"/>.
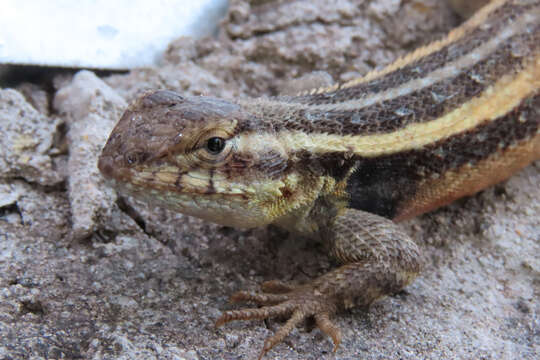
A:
<point x="197" y="155"/>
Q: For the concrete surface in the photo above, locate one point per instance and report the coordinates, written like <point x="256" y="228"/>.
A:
<point x="86" y="274"/>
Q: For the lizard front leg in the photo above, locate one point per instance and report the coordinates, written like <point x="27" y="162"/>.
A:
<point x="378" y="259"/>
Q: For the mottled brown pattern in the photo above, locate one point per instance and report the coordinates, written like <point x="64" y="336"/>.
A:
<point x="335" y="164"/>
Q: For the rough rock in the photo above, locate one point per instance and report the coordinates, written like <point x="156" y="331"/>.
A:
<point x="26" y="140"/>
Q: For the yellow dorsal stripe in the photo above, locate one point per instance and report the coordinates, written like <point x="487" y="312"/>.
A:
<point x="496" y="101"/>
<point x="456" y="34"/>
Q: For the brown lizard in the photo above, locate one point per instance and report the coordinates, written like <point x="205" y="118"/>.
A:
<point x="343" y="164"/>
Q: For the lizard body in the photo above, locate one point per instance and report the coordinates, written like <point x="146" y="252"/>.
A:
<point x="342" y="164"/>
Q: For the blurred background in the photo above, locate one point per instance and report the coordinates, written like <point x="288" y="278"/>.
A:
<point x="99" y="34"/>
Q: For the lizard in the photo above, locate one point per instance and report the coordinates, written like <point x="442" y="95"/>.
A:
<point x="344" y="164"/>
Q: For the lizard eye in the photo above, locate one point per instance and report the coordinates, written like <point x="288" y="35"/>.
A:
<point x="215" y="145"/>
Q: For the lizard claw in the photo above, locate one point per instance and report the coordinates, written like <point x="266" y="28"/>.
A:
<point x="280" y="299"/>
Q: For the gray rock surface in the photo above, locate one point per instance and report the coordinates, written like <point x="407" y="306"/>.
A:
<point x="90" y="107"/>
<point x="27" y="141"/>
<point x="85" y="274"/>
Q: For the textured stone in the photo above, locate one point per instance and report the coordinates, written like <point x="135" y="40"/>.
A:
<point x="26" y="140"/>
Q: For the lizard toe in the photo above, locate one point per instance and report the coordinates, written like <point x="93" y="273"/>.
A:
<point x="296" y="302"/>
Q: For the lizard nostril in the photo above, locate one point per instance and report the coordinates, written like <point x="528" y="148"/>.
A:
<point x="105" y="166"/>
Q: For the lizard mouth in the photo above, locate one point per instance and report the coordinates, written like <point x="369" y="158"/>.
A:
<point x="191" y="193"/>
<point x="198" y="184"/>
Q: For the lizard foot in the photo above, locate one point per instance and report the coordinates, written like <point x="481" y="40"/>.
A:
<point x="280" y="299"/>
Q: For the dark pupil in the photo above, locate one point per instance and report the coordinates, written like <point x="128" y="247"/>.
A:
<point x="215" y="144"/>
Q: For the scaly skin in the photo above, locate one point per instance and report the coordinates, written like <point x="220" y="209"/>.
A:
<point x="341" y="164"/>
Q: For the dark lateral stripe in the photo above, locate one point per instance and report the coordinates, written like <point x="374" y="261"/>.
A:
<point x="382" y="184"/>
<point x="479" y="143"/>
<point x="496" y="20"/>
